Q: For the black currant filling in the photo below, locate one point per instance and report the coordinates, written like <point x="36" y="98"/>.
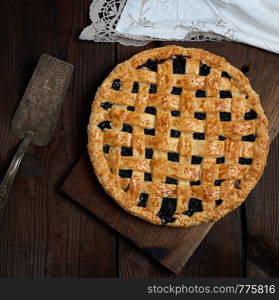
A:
<point x="179" y="63"/>
<point x="218" y="202"/>
<point x="167" y="210"/>
<point x="126" y="151"/>
<point x="135" y="88"/>
<point x="150" y="65"/>
<point x="237" y="184"/>
<point x="116" y="84"/>
<point x="245" y="161"/>
<point x="175" y="113"/>
<point x="150" y="110"/>
<point x="127" y="128"/>
<point x="106" y="148"/>
<point x="174" y="133"/>
<point x="249" y="138"/>
<point x="198" y="182"/>
<point x="218" y="182"/>
<point x="200" y="94"/>
<point x="220" y="160"/>
<point x="149" y="131"/>
<point x="204" y="70"/>
<point x="194" y="206"/>
<point x="226" y="75"/>
<point x="125" y="173"/>
<point x="147" y="177"/>
<point x="222" y="138"/>
<point x="104" y="124"/>
<point x="106" y="105"/>
<point x="170" y="180"/>
<point x="200" y="115"/>
<point x="143" y="199"/>
<point x="148" y="153"/>
<point x="176" y="90"/>
<point x="250" y="115"/>
<point x="198" y="136"/>
<point x="196" y="160"/>
<point x="173" y="156"/>
<point x="152" y="88"/>
<point x="225" y="94"/>
<point x="225" y="116"/>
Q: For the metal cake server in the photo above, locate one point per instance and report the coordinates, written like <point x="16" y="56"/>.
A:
<point x="36" y="116"/>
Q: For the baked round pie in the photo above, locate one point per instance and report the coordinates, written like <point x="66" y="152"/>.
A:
<point x="177" y="136"/>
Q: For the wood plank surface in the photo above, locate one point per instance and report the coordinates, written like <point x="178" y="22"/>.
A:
<point x="46" y="234"/>
<point x="171" y="247"/>
<point x="42" y="233"/>
<point x="262" y="226"/>
<point x="199" y="264"/>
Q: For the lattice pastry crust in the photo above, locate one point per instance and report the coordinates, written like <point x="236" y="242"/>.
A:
<point x="177" y="136"/>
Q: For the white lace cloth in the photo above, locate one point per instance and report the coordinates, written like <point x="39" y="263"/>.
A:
<point x="135" y="22"/>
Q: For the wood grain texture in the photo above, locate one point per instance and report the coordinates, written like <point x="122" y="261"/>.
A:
<point x="225" y="253"/>
<point x="262" y="215"/>
<point x="46" y="234"/>
<point x="231" y="232"/>
<point x="43" y="234"/>
<point x="218" y="255"/>
<point x="170" y="246"/>
<point x="173" y="248"/>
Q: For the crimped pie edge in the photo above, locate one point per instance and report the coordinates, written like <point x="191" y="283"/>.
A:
<point x="250" y="179"/>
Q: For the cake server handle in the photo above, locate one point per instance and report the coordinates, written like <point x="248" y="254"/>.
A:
<point x="10" y="174"/>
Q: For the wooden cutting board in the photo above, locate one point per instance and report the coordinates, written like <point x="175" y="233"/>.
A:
<point x="172" y="247"/>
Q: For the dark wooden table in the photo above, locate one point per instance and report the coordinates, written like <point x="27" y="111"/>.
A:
<point x="43" y="232"/>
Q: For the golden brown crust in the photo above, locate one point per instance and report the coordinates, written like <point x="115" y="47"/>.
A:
<point x="241" y="159"/>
